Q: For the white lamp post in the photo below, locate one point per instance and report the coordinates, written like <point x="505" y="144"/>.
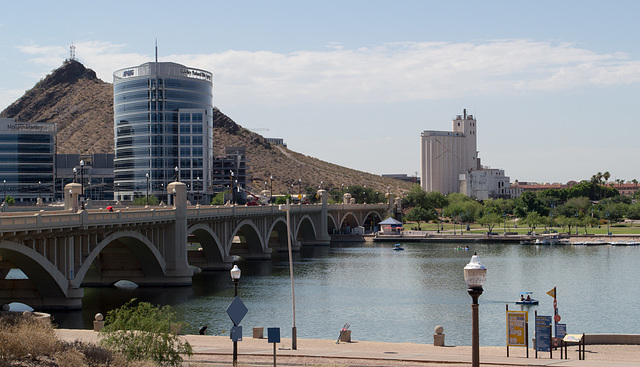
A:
<point x="235" y="278"/>
<point x="82" y="182"/>
<point x="475" y="275"/>
<point x="147" y="175"/>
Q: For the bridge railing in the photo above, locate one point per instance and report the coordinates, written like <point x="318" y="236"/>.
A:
<point x="358" y="207"/>
<point x="23" y="221"/>
<point x="131" y="216"/>
<point x="44" y="220"/>
<point x="47" y="220"/>
<point x="245" y="211"/>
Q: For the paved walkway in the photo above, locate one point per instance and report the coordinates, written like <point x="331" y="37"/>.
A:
<point x="217" y="351"/>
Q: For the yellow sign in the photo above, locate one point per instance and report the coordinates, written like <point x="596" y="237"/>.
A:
<point x="299" y="196"/>
<point x="517" y="328"/>
<point x="552" y="292"/>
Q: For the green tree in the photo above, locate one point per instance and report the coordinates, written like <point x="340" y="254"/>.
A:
<point x="633" y="211"/>
<point x="142" y="200"/>
<point x="144" y="332"/>
<point x="10" y="200"/>
<point x="490" y="220"/>
<point x="533" y="219"/>
<point x="283" y="199"/>
<point x="530" y="202"/>
<point x="218" y="199"/>
<point x="419" y="214"/>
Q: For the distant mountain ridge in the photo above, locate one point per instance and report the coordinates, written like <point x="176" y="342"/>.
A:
<point x="82" y="107"/>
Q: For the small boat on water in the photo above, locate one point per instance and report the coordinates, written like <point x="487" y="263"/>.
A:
<point x="397" y="247"/>
<point x="526" y="299"/>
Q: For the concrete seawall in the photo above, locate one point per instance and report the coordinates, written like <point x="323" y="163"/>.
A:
<point x="626" y="339"/>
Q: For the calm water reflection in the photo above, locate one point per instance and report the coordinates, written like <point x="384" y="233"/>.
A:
<point x="400" y="296"/>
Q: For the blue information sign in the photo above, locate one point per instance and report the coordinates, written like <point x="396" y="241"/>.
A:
<point x="543" y="333"/>
<point x="273" y="334"/>
<point x="236" y="333"/>
<point x="561" y="330"/>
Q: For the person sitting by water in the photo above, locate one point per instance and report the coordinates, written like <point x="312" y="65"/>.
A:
<point x="528" y="298"/>
<point x="521" y="297"/>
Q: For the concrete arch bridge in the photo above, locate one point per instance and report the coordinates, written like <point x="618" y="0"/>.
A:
<point x="61" y="252"/>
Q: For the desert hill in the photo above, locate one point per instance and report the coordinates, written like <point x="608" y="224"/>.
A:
<point x="82" y="107"/>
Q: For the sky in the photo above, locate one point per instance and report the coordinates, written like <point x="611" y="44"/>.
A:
<point x="552" y="84"/>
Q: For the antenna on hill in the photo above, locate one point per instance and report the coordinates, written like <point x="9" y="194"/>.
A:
<point x="72" y="52"/>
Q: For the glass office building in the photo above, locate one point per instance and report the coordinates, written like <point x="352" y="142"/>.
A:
<point x="163" y="127"/>
<point x="27" y="151"/>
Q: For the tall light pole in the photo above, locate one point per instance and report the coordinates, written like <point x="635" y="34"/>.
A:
<point x="177" y="175"/>
<point x="82" y="182"/>
<point x="231" y="187"/>
<point x="118" y="191"/>
<point x="147" y="175"/>
<point x="475" y="275"/>
<point x="198" y="189"/>
<point x="294" y="330"/>
<point x="5" y="191"/>
<point x="300" y="189"/>
<point x="75" y="172"/>
<point x="235" y="278"/>
<point x="270" y="188"/>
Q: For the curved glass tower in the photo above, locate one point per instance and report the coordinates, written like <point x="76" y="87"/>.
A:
<point x="162" y="120"/>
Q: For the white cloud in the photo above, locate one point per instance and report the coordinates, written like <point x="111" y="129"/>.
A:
<point x="391" y="72"/>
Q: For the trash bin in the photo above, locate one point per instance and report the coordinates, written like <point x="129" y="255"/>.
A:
<point x="258" y="332"/>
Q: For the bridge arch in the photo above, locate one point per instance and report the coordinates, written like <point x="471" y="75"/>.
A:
<point x="249" y="243"/>
<point x="306" y="232"/>
<point x="277" y="234"/>
<point x="213" y="255"/>
<point x="371" y="222"/>
<point x="47" y="280"/>
<point x="348" y="220"/>
<point x="151" y="266"/>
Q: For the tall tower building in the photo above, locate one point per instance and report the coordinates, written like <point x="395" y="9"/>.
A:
<point x="445" y="155"/>
<point x="163" y="128"/>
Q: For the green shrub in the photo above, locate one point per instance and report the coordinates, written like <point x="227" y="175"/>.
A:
<point x="144" y="332"/>
<point x="142" y="200"/>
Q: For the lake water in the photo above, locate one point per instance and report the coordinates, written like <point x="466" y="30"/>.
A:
<point x="400" y="296"/>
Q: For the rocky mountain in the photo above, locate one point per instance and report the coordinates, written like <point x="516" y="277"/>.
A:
<point x="82" y="107"/>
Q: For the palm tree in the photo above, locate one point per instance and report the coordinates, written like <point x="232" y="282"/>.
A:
<point x="606" y="176"/>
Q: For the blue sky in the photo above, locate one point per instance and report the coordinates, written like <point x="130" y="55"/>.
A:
<point x="553" y="84"/>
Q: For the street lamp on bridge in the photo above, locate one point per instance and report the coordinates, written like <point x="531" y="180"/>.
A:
<point x="147" y="175"/>
<point x="82" y="182"/>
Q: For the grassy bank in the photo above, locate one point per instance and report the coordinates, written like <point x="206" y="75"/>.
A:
<point x="617" y="229"/>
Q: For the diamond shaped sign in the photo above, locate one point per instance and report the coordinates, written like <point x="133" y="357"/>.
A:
<point x="237" y="310"/>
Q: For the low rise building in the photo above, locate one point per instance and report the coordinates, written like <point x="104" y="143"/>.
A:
<point x="27" y="151"/>
<point x="485" y="183"/>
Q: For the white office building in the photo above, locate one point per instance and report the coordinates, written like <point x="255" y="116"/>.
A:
<point x="163" y="126"/>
